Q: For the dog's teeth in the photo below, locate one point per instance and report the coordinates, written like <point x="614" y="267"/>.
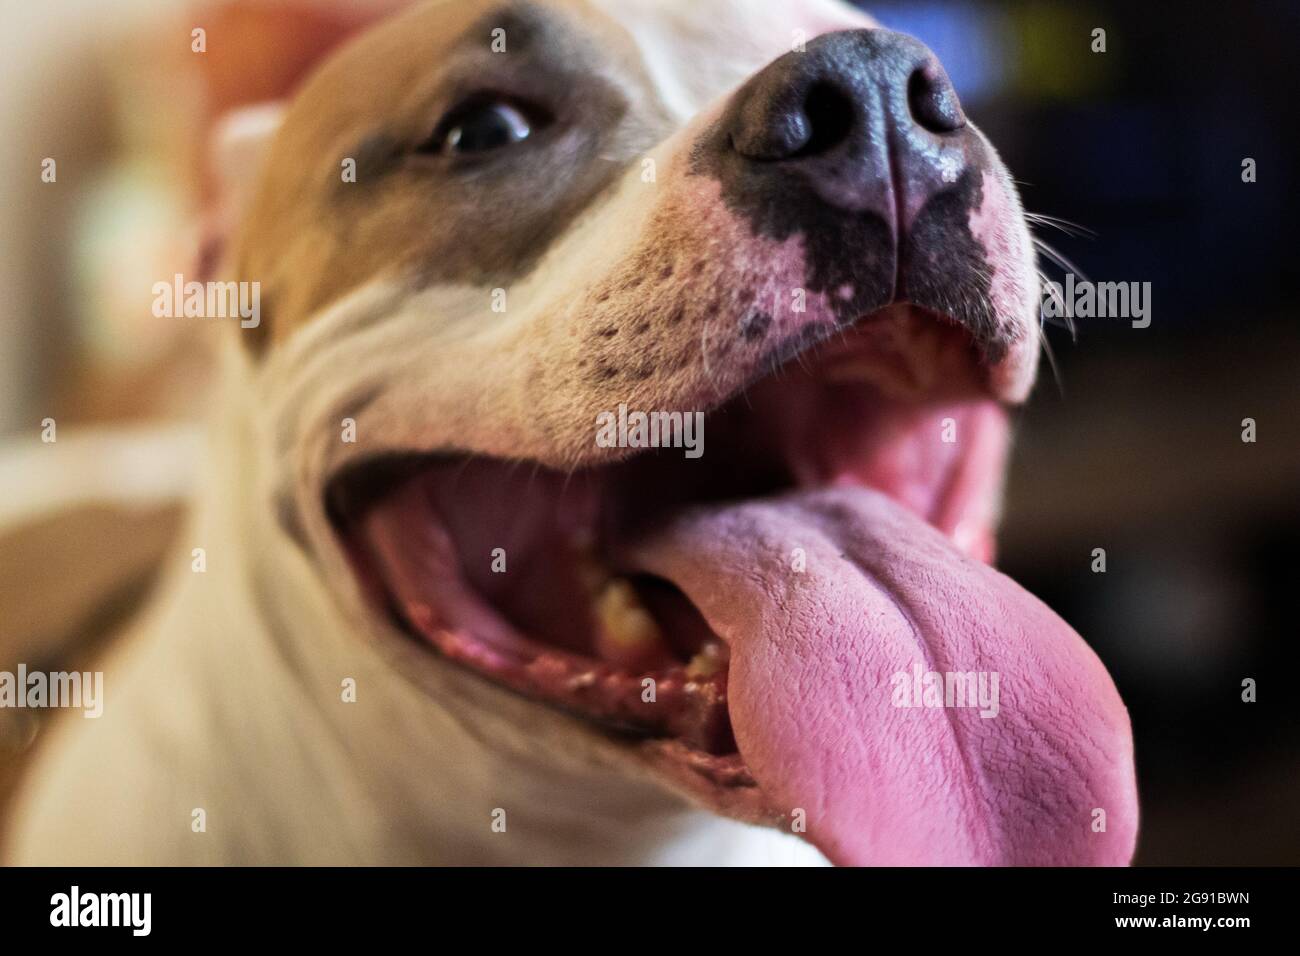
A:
<point x="711" y="659"/>
<point x="628" y="635"/>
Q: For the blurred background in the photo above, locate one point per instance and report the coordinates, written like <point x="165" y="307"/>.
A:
<point x="1133" y="444"/>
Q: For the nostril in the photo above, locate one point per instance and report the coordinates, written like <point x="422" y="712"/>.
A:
<point x="769" y="131"/>
<point x="830" y="117"/>
<point x="933" y="101"/>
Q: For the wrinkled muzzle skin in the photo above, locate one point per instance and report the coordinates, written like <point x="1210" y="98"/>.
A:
<point x="649" y="250"/>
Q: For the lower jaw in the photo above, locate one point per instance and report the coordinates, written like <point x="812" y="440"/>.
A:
<point x="672" y="702"/>
<point x="672" y="723"/>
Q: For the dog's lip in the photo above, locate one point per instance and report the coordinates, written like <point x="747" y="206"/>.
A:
<point x="721" y="781"/>
<point x="723" y="784"/>
<point x="908" y="368"/>
<point x="690" y="706"/>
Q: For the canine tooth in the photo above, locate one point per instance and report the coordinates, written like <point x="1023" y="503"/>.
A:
<point x="628" y="633"/>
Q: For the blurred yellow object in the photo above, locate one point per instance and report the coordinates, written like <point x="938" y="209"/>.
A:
<point x="1055" y="45"/>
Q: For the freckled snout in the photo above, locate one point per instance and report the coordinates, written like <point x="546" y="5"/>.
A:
<point x="868" y="118"/>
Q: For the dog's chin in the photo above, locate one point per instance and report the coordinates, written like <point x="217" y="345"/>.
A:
<point x="538" y="579"/>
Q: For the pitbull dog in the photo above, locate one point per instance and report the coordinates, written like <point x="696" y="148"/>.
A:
<point x="437" y="620"/>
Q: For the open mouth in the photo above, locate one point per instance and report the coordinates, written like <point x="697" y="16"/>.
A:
<point x="536" y="578"/>
<point x="802" y="621"/>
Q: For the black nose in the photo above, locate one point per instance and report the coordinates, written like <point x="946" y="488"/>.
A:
<point x="853" y="112"/>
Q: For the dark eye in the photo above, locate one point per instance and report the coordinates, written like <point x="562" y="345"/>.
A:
<point x="481" y="126"/>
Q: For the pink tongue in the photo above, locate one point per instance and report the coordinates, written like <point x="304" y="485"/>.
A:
<point x="826" y="667"/>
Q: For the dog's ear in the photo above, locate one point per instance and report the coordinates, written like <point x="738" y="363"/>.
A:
<point x="239" y="147"/>
<point x="236" y="155"/>
<point x="259" y="53"/>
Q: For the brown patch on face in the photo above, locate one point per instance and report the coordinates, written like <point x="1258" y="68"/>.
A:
<point x="481" y="219"/>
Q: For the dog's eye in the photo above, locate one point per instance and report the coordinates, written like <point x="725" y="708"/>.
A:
<point x="479" y="127"/>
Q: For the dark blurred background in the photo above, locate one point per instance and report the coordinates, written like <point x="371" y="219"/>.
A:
<point x="1133" y="445"/>
<point x="1136" y="446"/>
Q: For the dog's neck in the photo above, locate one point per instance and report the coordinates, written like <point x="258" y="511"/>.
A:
<point x="232" y="701"/>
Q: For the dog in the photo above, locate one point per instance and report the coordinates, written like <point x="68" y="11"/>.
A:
<point x="422" y="615"/>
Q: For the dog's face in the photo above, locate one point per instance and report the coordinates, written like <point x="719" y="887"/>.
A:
<point x="773" y="214"/>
